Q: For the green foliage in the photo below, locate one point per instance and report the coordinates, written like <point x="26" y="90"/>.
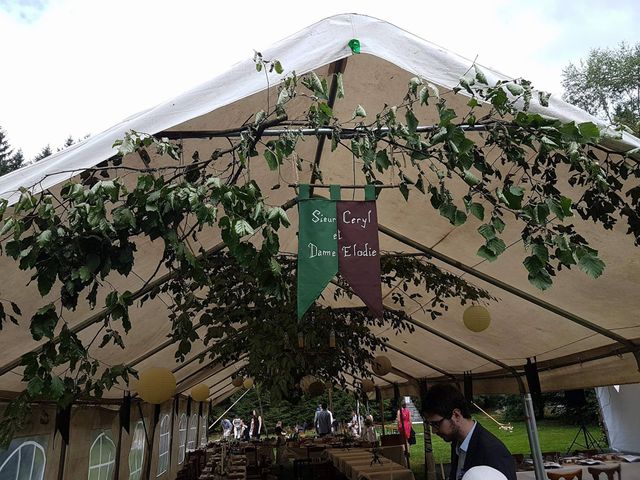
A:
<point x="9" y="161"/>
<point x="245" y="299"/>
<point x="607" y="85"/>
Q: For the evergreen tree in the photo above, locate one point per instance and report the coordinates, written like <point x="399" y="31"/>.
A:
<point x="9" y="161"/>
<point x="44" y="153"/>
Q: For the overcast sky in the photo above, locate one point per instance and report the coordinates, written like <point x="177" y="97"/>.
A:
<point x="76" y="67"/>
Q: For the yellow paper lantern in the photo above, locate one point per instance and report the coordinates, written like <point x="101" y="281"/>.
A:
<point x="476" y="318"/>
<point x="156" y="385"/>
<point x="248" y="383"/>
<point x="381" y="365"/>
<point x="306" y="381"/>
<point x="200" y="392"/>
<point x="367" y="385"/>
<point x="236" y="381"/>
<point x="316" y="388"/>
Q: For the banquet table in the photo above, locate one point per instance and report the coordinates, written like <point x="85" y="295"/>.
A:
<point x="356" y="464"/>
<point x="630" y="471"/>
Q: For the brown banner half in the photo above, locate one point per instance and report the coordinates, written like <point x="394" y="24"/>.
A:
<point x="359" y="251"/>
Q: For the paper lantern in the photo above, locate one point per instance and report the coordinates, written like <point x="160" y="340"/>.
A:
<point x="476" y="318"/>
<point x="316" y="388"/>
<point x="156" y="385"/>
<point x="236" y="381"/>
<point x="200" y="392"/>
<point x="306" y="381"/>
<point x="381" y="365"/>
<point x="247" y="383"/>
<point x="367" y="385"/>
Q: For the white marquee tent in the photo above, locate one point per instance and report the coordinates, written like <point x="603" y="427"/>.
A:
<point x="583" y="332"/>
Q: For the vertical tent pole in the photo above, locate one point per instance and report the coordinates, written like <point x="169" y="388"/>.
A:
<point x="63" y="457"/>
<point x="118" y="455"/>
<point x="429" y="461"/>
<point x="534" y="440"/>
<point x="381" y="402"/>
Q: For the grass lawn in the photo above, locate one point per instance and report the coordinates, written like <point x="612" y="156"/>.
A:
<point x="553" y="438"/>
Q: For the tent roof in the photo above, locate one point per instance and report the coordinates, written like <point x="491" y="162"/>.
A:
<point x="526" y="322"/>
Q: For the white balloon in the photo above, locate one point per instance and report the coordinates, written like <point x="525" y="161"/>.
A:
<point x="483" y="472"/>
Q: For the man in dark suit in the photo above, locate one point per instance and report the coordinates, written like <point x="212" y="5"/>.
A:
<point x="449" y="416"/>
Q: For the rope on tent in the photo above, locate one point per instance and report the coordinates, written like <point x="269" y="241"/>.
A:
<point x="502" y="426"/>
<point x="223" y="413"/>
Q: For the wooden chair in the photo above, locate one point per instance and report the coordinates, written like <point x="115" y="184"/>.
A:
<point x="566" y="475"/>
<point x="608" y="470"/>
<point x="551" y="456"/>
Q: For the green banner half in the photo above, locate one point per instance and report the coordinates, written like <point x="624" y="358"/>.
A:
<point x="317" y="248"/>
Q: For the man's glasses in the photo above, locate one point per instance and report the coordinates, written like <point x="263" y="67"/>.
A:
<point x="437" y="423"/>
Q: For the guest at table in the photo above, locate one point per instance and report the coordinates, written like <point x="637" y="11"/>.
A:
<point x="324" y="421"/>
<point x="227" y="427"/>
<point x="354" y="424"/>
<point x="369" y="433"/>
<point x="237" y="428"/>
<point x="246" y="432"/>
<point x="449" y="416"/>
<point x="256" y="425"/>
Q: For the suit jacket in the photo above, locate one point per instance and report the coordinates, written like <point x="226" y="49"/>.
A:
<point x="484" y="449"/>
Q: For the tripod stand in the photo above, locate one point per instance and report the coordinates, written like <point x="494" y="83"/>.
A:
<point x="590" y="443"/>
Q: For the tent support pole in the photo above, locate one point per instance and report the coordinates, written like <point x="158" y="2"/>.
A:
<point x="118" y="455"/>
<point x="62" y="459"/>
<point x="429" y="461"/>
<point x="381" y="405"/>
<point x="534" y="439"/>
<point x="628" y="344"/>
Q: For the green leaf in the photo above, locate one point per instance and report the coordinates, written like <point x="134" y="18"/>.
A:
<point x="272" y="160"/>
<point x="8" y="225"/>
<point x="359" y="112"/>
<point x="57" y="387"/>
<point x="382" y="160"/>
<point x="589" y="262"/>
<point x="35" y="386"/>
<point x="44" y="322"/>
<point x="533" y="264"/>
<point x="498" y="224"/>
<point x="513" y="196"/>
<point x="470" y="179"/>
<point x="283" y="97"/>
<point x="84" y="273"/>
<point x="424" y="95"/>
<point x="459" y="218"/>
<point x="496" y="245"/>
<point x="590" y="132"/>
<point x="541" y="279"/>
<point x="412" y="121"/>
<point x="243" y="228"/>
<point x="515" y="89"/>
<point x="487" y="231"/>
<point x="340" y="85"/>
<point x="480" y="76"/>
<point x="486" y="253"/>
<point x="477" y="210"/>
<point x="277" y="67"/>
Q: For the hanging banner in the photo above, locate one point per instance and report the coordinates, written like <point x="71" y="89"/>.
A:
<point x="317" y="246"/>
<point x="359" y="249"/>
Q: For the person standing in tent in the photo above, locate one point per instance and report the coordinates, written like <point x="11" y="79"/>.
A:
<point x="256" y="425"/>
<point x="449" y="416"/>
<point x="403" y="416"/>
<point x="237" y="428"/>
<point x="324" y="421"/>
<point x="227" y="427"/>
